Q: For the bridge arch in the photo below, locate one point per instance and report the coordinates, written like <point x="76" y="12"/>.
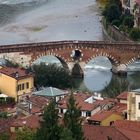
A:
<point x="59" y="57"/>
<point x="111" y="58"/>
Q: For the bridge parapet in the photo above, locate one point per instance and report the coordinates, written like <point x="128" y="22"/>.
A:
<point x="118" y="52"/>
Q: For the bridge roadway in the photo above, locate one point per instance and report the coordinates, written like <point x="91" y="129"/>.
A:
<point x="120" y="54"/>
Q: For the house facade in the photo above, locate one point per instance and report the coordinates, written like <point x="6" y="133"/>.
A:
<point x="16" y="82"/>
<point x="137" y="13"/>
<point x="133" y="105"/>
<point x="128" y="6"/>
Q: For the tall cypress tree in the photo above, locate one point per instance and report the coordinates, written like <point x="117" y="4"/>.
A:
<point x="72" y="119"/>
<point x="49" y="128"/>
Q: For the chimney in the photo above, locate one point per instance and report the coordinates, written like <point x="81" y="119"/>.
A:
<point x="16" y="74"/>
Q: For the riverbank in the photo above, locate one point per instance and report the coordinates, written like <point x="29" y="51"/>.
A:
<point x="113" y="33"/>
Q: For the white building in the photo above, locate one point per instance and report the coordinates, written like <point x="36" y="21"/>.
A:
<point x="133" y="105"/>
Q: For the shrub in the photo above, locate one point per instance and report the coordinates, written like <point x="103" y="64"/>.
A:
<point x="128" y="21"/>
<point x="116" y="22"/>
<point x="112" y="12"/>
<point x="135" y="34"/>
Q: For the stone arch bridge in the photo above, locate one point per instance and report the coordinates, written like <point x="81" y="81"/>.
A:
<point x="77" y="53"/>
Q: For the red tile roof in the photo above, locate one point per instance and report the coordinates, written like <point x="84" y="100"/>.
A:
<point x="30" y="122"/>
<point x="92" y="132"/>
<point x="119" y="108"/>
<point x="122" y="96"/>
<point x="138" y="2"/>
<point x="80" y="98"/>
<point x="39" y="100"/>
<point x="17" y="73"/>
<point x="131" y="129"/>
<point x="85" y="106"/>
<point x="100" y="116"/>
<point x="5" y="124"/>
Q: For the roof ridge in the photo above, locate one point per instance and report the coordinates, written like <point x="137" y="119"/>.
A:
<point x="51" y="91"/>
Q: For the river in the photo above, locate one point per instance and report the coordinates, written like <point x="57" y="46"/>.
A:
<point x="50" y="20"/>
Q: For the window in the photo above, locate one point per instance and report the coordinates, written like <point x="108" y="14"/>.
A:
<point x="22" y="86"/>
<point x="61" y="110"/>
<point x="139" y="105"/>
<point x="19" y="87"/>
<point x="27" y="85"/>
<point x="88" y="113"/>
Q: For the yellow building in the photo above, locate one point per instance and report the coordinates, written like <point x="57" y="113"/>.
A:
<point x="16" y="82"/>
<point x="133" y="105"/>
<point x="104" y="118"/>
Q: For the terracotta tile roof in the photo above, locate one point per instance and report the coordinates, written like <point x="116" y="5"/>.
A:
<point x="138" y="2"/>
<point x="100" y="116"/>
<point x="5" y="124"/>
<point x="17" y="73"/>
<point x="39" y="100"/>
<point x="119" y="108"/>
<point x="131" y="129"/>
<point x="123" y="96"/>
<point x="85" y="106"/>
<point x="80" y="98"/>
<point x="30" y="122"/>
<point x="92" y="132"/>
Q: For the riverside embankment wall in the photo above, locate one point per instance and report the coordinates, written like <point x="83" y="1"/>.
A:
<point x="112" y="33"/>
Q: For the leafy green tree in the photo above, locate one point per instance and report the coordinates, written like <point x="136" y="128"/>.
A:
<point x="52" y="75"/>
<point x="135" y="34"/>
<point x="4" y="136"/>
<point x="72" y="119"/>
<point x="49" y="128"/>
<point x="66" y="135"/>
<point x="112" y="12"/>
<point x="116" y="22"/>
<point x="116" y="86"/>
<point x="25" y="134"/>
<point x="128" y="21"/>
<point x="3" y="115"/>
<point x="9" y="63"/>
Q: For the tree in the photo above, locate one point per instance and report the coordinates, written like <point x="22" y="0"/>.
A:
<point x="3" y="115"/>
<point x="66" y="135"/>
<point x="116" y="22"/>
<point x="116" y="86"/>
<point x="135" y="34"/>
<point x="9" y="63"/>
<point x="52" y="75"/>
<point x="49" y="128"/>
<point x="112" y="12"/>
<point x="25" y="134"/>
<point x="4" y="136"/>
<point x="72" y="119"/>
<point x="128" y="21"/>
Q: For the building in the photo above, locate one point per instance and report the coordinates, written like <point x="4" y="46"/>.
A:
<point x="130" y="129"/>
<point x="51" y="92"/>
<point x="104" y="118"/>
<point x="128" y="6"/>
<point x="122" y="98"/>
<point x="87" y="103"/>
<point x="31" y="122"/>
<point x="92" y="132"/>
<point x="133" y="105"/>
<point x="16" y="82"/>
<point x="32" y="105"/>
<point x="137" y="13"/>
